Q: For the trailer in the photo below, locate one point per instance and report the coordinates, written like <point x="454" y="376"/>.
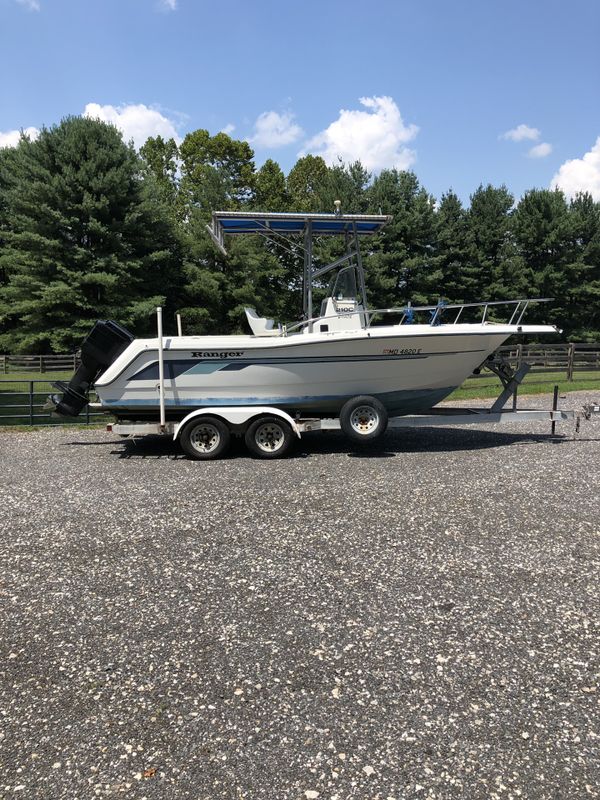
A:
<point x="269" y="432"/>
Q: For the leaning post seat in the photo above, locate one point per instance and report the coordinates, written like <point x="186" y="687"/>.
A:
<point x="103" y="344"/>
<point x="261" y="326"/>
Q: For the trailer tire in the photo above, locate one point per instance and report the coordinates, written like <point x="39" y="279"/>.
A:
<point x="269" y="437"/>
<point x="363" y="418"/>
<point x="205" y="438"/>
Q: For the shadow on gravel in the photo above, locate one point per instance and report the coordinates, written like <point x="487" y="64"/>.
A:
<point x="104" y="443"/>
<point x="409" y="440"/>
<point x="428" y="440"/>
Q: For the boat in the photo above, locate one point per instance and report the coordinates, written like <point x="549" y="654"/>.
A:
<point x="408" y="358"/>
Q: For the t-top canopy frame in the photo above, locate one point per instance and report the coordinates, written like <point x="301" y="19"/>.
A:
<point x="267" y="223"/>
<point x="308" y="226"/>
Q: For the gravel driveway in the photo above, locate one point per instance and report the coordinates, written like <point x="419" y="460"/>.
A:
<point x="415" y="621"/>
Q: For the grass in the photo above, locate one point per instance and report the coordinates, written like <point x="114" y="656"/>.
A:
<point x="539" y="383"/>
<point x="20" y="377"/>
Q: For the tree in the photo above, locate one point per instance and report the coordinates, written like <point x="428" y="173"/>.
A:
<point x="544" y="233"/>
<point x="202" y="307"/>
<point x="489" y="220"/>
<point x="217" y="172"/>
<point x="271" y="192"/>
<point x="404" y="253"/>
<point x="5" y="156"/>
<point x="346" y="183"/>
<point x="161" y="160"/>
<point x="446" y="277"/>
<point x="306" y="184"/>
<point x="85" y="238"/>
<point x="585" y="220"/>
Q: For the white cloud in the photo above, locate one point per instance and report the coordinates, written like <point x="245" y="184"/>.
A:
<point x="136" y="122"/>
<point x="11" y="138"/>
<point x="229" y="128"/>
<point x="540" y="150"/>
<point x="376" y="137"/>
<point x="169" y="5"/>
<point x="522" y="132"/>
<point x="580" y="174"/>
<point x="30" y="5"/>
<point x="275" y="130"/>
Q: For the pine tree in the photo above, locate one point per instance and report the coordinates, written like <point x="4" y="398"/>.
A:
<point x="271" y="191"/>
<point x="84" y="238"/>
<point x="5" y="155"/>
<point x="544" y="233"/>
<point x="348" y="184"/>
<point x="585" y="220"/>
<point x="489" y="220"/>
<point x="403" y="254"/>
<point x="446" y="278"/>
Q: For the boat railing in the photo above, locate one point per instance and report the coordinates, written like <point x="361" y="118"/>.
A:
<point x="409" y="312"/>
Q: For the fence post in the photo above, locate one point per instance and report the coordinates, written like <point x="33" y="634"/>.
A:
<point x="571" y="361"/>
<point x="519" y="356"/>
<point x="31" y="402"/>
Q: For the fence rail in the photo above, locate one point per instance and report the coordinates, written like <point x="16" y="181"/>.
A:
<point x="568" y="358"/>
<point x="41" y="363"/>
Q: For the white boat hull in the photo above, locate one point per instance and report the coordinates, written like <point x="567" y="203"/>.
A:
<point x="408" y="368"/>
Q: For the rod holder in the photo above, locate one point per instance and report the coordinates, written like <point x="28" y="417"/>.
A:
<point x="161" y="367"/>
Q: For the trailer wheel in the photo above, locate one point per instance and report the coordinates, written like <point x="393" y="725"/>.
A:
<point x="269" y="437"/>
<point x="205" y="438"/>
<point x="363" y="419"/>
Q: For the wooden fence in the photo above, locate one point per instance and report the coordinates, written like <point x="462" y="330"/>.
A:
<point x="49" y="363"/>
<point x="567" y="358"/>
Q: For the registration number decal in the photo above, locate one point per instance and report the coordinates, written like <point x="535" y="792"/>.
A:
<point x="407" y="351"/>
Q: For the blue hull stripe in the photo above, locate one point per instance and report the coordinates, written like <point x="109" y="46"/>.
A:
<point x="176" y="367"/>
<point x="399" y="402"/>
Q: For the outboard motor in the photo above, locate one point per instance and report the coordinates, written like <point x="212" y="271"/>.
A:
<point x="103" y="344"/>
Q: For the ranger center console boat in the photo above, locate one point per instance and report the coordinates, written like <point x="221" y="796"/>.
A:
<point x="346" y="363"/>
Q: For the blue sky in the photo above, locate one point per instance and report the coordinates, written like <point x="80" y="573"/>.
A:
<point x="441" y="81"/>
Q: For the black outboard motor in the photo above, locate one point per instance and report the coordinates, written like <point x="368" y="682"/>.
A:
<point x="103" y="344"/>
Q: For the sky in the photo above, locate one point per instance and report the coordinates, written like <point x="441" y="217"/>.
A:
<point x="463" y="92"/>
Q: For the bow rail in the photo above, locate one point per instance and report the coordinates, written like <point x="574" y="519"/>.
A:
<point x="436" y="311"/>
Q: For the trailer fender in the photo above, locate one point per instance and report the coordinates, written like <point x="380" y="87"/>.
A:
<point x="237" y="415"/>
